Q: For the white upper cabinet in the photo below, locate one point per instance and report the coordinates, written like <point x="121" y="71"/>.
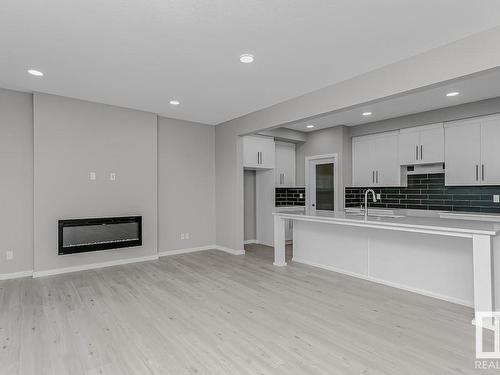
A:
<point x="285" y="164"/>
<point x="490" y="152"/>
<point x="472" y="152"/>
<point x="375" y="160"/>
<point x="258" y="152"/>
<point x="421" y="145"/>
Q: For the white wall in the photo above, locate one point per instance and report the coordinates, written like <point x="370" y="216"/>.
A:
<point x="16" y="181"/>
<point x="186" y="184"/>
<point x="249" y="205"/>
<point x="71" y="139"/>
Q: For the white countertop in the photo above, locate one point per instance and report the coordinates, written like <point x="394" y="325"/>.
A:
<point x="424" y="224"/>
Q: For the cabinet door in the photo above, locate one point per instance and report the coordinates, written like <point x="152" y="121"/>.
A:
<point x="384" y="153"/>
<point x="267" y="156"/>
<point x="431" y="148"/>
<point x="250" y="152"/>
<point x="285" y="164"/>
<point x="409" y="142"/>
<point x="362" y="163"/>
<point x="490" y="152"/>
<point x="288" y="230"/>
<point x="462" y="153"/>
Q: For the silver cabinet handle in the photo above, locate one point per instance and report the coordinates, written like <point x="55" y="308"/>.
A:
<point x="373" y="177"/>
<point x="482" y="172"/>
<point x="258" y="157"/>
<point x="416" y="152"/>
<point x="477" y="172"/>
<point x="421" y="152"/>
<point x="376" y="177"/>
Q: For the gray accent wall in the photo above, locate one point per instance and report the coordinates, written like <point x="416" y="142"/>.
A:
<point x="16" y="181"/>
<point x="73" y="138"/>
<point x="186" y="184"/>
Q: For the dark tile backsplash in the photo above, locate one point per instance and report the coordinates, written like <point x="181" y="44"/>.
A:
<point x="290" y="196"/>
<point x="427" y="192"/>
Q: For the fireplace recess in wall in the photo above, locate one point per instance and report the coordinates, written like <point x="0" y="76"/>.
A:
<point x="83" y="235"/>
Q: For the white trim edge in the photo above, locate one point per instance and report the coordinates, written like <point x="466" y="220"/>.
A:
<point x="185" y="251"/>
<point x="16" y="275"/>
<point x="92" y="266"/>
<point x="426" y="293"/>
<point x="248" y="242"/>
<point x="230" y="251"/>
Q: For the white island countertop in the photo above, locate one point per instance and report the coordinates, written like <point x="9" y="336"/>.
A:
<point x="424" y="224"/>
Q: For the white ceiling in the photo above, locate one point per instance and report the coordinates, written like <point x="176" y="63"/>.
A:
<point x="479" y="87"/>
<point x="140" y="54"/>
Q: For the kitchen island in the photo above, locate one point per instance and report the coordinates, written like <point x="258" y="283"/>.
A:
<point x="445" y="258"/>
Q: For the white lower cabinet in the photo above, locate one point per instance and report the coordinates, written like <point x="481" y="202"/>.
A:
<point x="375" y="160"/>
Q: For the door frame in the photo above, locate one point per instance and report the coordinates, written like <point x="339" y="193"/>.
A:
<point x="335" y="158"/>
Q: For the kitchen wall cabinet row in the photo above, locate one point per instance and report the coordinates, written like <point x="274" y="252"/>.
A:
<point x="261" y="152"/>
<point x="469" y="149"/>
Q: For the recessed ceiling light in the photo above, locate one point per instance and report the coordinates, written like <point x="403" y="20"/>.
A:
<point x="246" y="58"/>
<point x="310" y="126"/>
<point x="453" y="93"/>
<point x="35" y="72"/>
<point x="175" y="102"/>
<point x="367" y="113"/>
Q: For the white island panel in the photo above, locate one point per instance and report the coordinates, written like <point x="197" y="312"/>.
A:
<point x="438" y="266"/>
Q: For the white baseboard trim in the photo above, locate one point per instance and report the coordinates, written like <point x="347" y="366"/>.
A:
<point x="426" y="293"/>
<point x="92" y="266"/>
<point x="16" y="275"/>
<point x="188" y="250"/>
<point x="230" y="251"/>
<point x="248" y="242"/>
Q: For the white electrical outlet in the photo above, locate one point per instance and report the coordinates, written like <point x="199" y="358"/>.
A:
<point x="378" y="195"/>
<point x="9" y="254"/>
<point x="186" y="236"/>
<point x="301" y="196"/>
<point x="92" y="176"/>
<point x="112" y="176"/>
<point x="496" y="198"/>
<point x="182" y="236"/>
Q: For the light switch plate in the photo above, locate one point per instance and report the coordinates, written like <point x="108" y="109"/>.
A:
<point x="182" y="236"/>
<point x="496" y="198"/>
<point x="92" y="176"/>
<point x="112" y="176"/>
<point x="186" y="236"/>
<point x="9" y="255"/>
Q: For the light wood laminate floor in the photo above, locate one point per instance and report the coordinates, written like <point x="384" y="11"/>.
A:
<point x="215" y="313"/>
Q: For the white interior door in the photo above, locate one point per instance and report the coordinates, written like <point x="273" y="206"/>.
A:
<point x="321" y="186"/>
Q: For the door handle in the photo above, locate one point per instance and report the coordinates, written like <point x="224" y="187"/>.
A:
<point x="421" y="153"/>
<point x="482" y="172"/>
<point x="373" y="177"/>
<point x="376" y="177"/>
<point x="416" y="152"/>
<point x="258" y="157"/>
<point x="477" y="172"/>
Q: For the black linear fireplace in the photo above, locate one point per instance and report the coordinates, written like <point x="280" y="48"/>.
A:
<point x="82" y="235"/>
